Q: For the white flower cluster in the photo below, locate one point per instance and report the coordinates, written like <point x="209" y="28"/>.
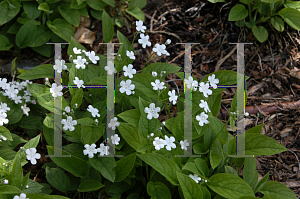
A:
<point x="3" y="115"/>
<point x="160" y="143"/>
<point x="196" y="178"/>
<point x="22" y="196"/>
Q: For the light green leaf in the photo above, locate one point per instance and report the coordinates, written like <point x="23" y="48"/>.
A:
<point x="137" y="3"/>
<point x="261" y="183"/>
<point x="74" y="165"/>
<point x="260" y="33"/>
<point x="278" y="189"/>
<point x="41" y="71"/>
<point x="269" y="1"/>
<point x="89" y="185"/>
<point x="72" y="16"/>
<point x="4" y="43"/>
<point x="45" y="7"/>
<point x="131" y="117"/>
<point x="164" y="166"/>
<point x="277" y="23"/>
<point x="6" y="133"/>
<point x="7" y="13"/>
<point x="215" y="159"/>
<point x="32" y="143"/>
<point x="158" y="190"/>
<point x="107" y="26"/>
<point x="58" y="179"/>
<point x="217" y="126"/>
<point x="124" y="167"/>
<point x="9" y="189"/>
<point x="16" y="176"/>
<point x="292" y="4"/>
<point x="229" y="186"/>
<point x="202" y="166"/>
<point x="237" y="12"/>
<point x="74" y="43"/>
<point x="35" y="89"/>
<point x="77" y="98"/>
<point x="291" y="16"/>
<point x="191" y="166"/>
<point x="26" y="35"/>
<point x="250" y="174"/>
<point x="130" y="135"/>
<point x="61" y="28"/>
<point x="229" y="169"/>
<point x="106" y="166"/>
<point x="123" y="60"/>
<point x="136" y="12"/>
<point x="189" y="187"/>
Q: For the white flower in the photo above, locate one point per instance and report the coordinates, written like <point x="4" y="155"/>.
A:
<point x="213" y="82"/>
<point x="195" y="177"/>
<point x="2" y="138"/>
<point x="3" y="119"/>
<point x="184" y="144"/>
<point x="32" y="155"/>
<point x="78" y="82"/>
<point x="18" y="100"/>
<point x="4" y="108"/>
<point x="190" y="82"/>
<point x="154" y="74"/>
<point x="151" y="134"/>
<point x="169" y="143"/>
<point x="172" y="97"/>
<point x="3" y="83"/>
<point x="160" y="49"/>
<point x="46" y="79"/>
<point x="67" y="109"/>
<point x="26" y="186"/>
<point x="103" y="150"/>
<point x="76" y="51"/>
<point x="113" y="123"/>
<point x="144" y="40"/>
<point x="110" y="68"/>
<point x="56" y="90"/>
<point x="69" y="123"/>
<point x="246" y="114"/>
<point x="158" y="143"/>
<point x="126" y="86"/>
<point x="5" y="181"/>
<point x="93" y="111"/>
<point x="164" y="123"/>
<point x="129" y="71"/>
<point x="152" y="111"/>
<point x="204" y="88"/>
<point x="202" y="119"/>
<point x="205" y="180"/>
<point x="93" y="57"/>
<point x="139" y="26"/>
<point x="168" y="41"/>
<point x="115" y="139"/>
<point x="22" y="196"/>
<point x="33" y="102"/>
<point x="90" y="150"/>
<point x="157" y="84"/>
<point x="204" y="105"/>
<point x="130" y="54"/>
<point x="25" y="109"/>
<point x="59" y="65"/>
<point x="27" y="98"/>
<point x="11" y="92"/>
<point x="79" y="62"/>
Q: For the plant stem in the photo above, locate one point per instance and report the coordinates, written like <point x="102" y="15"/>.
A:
<point x="17" y="61"/>
<point x="148" y="60"/>
<point x="147" y="173"/>
<point x="168" y="108"/>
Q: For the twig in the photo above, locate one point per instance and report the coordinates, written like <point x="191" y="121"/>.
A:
<point x="259" y="62"/>
<point x="297" y="160"/>
<point x="168" y="33"/>
<point x="174" y="80"/>
<point x="151" y="22"/>
<point x="220" y="62"/>
<point x="182" y="53"/>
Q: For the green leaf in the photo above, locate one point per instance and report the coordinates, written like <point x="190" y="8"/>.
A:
<point x="250" y="174"/>
<point x="55" y="197"/>
<point x="96" y="14"/>
<point x="136" y="12"/>
<point x="260" y="33"/>
<point x="45" y="50"/>
<point x="45" y="7"/>
<point x="159" y="67"/>
<point x="4" y="43"/>
<point x="42" y="36"/>
<point x="74" y="165"/>
<point x="237" y="12"/>
<point x="74" y="43"/>
<point x="142" y="82"/>
<point x="164" y="166"/>
<point x="270" y="196"/>
<point x="131" y="117"/>
<point x="124" y="167"/>
<point x="72" y="16"/>
<point x="75" y="5"/>
<point x="137" y="3"/>
<point x="229" y="186"/>
<point x="189" y="187"/>
<point x="16" y="175"/>
<point x="277" y="23"/>
<point x="26" y="34"/>
<point x="6" y="133"/>
<point x="215" y="159"/>
<point x="229" y="169"/>
<point x="58" y="179"/>
<point x="123" y="60"/>
<point x="191" y="166"/>
<point x="158" y="190"/>
<point x="269" y="1"/>
<point x="97" y="5"/>
<point x="107" y="26"/>
<point x="217" y="126"/>
<point x="91" y="134"/>
<point x="35" y="89"/>
<point x="32" y="143"/>
<point x="110" y="2"/>
<point x="31" y="9"/>
<point x="106" y="166"/>
<point x="9" y="189"/>
<point x="291" y="16"/>
<point x="41" y="71"/>
<point x="292" y="4"/>
<point x="278" y="189"/>
<point x="246" y="1"/>
<point x="61" y="28"/>
<point x="89" y="185"/>
<point x="261" y="183"/>
<point x="226" y="77"/>
<point x="7" y="13"/>
<point x="130" y="135"/>
<point x="202" y="166"/>
<point x="77" y="98"/>
<point x="248" y="197"/>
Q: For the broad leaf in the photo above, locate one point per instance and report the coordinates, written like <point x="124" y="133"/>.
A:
<point x="41" y="71"/>
<point x="89" y="185"/>
<point x="291" y="17"/>
<point x="158" y="190"/>
<point x="260" y="33"/>
<point x="26" y="34"/>
<point x="107" y="27"/>
<point x="58" y="179"/>
<point x="238" y="12"/>
<point x="61" y="28"/>
<point x="124" y="167"/>
<point x="278" y="189"/>
<point x="106" y="165"/>
<point x="189" y="187"/>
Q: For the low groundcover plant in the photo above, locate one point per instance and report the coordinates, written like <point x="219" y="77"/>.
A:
<point x="150" y="165"/>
